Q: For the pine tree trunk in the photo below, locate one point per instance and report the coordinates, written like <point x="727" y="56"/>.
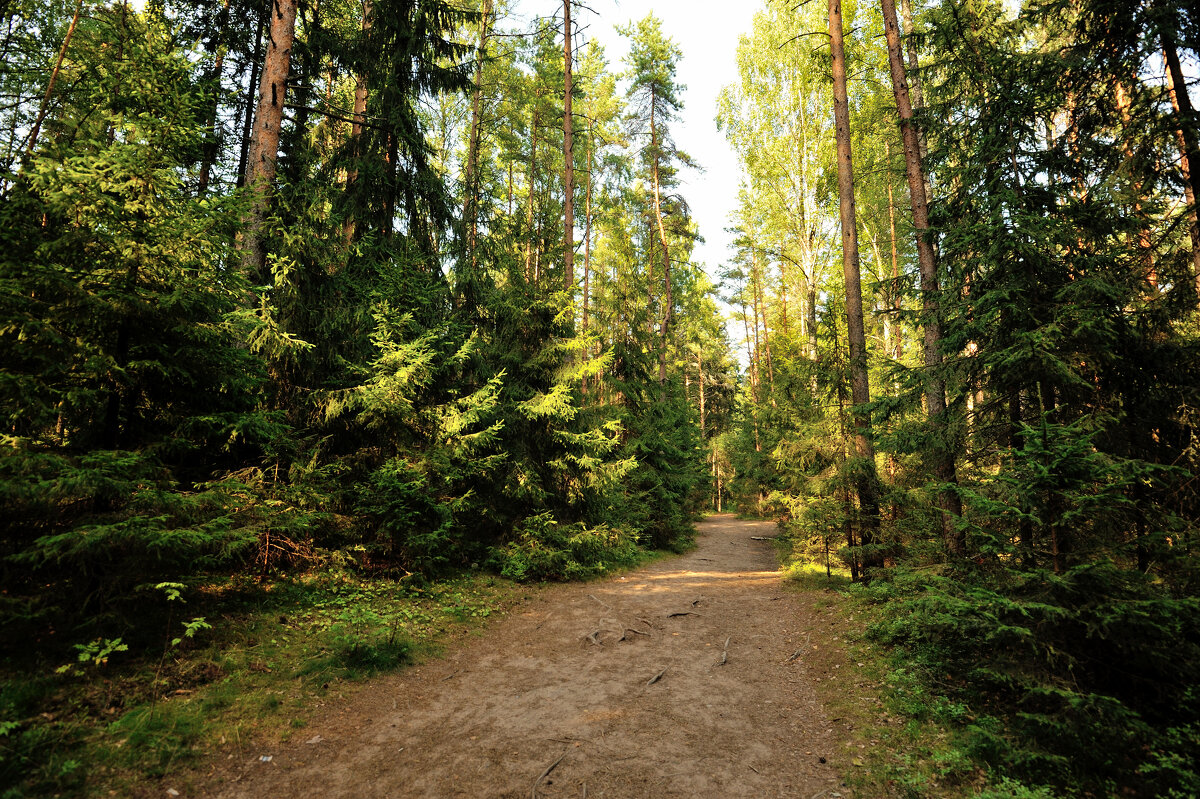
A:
<point x="1125" y="108"/>
<point x="935" y="388"/>
<point x="662" y="233"/>
<point x="264" y="145"/>
<point x="359" y="117"/>
<point x="251" y="102"/>
<point x="914" y="75"/>
<point x="897" y="297"/>
<point x="535" y="121"/>
<point x="587" y="225"/>
<point x="568" y="158"/>
<point x="753" y="373"/>
<point x="211" y="138"/>
<point x="860" y="391"/>
<point x="471" y="177"/>
<point x="1189" y="149"/>
<point x="45" y="106"/>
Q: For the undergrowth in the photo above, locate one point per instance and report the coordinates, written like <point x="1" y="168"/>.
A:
<point x="1023" y="685"/>
<point x="113" y="715"/>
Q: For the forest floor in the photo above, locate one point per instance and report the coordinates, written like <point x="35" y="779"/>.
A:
<point x="700" y="675"/>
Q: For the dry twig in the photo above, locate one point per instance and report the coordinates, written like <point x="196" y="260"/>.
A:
<point x="545" y="774"/>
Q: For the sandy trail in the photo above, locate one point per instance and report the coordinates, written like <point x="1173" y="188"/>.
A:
<point x="535" y="690"/>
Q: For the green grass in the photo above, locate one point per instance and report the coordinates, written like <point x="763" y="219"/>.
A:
<point x="273" y="649"/>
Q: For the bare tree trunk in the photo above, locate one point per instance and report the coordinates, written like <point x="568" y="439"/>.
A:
<point x="535" y="121"/>
<point x="662" y="233"/>
<point x="471" y="178"/>
<point x="587" y="224"/>
<point x="358" y="121"/>
<point x="211" y="138"/>
<point x="264" y="146"/>
<point x="45" y="106"/>
<point x="1125" y="107"/>
<point x="761" y="309"/>
<point x="860" y="390"/>
<point x="897" y="299"/>
<point x="935" y="388"/>
<point x="568" y="158"/>
<point x="753" y="373"/>
<point x="1189" y="149"/>
<point x="918" y="98"/>
<point x="248" y="121"/>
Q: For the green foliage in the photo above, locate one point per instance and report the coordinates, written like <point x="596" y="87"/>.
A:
<point x="1077" y="692"/>
<point x="543" y="549"/>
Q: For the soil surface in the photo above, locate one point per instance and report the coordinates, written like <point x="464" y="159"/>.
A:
<point x="686" y="678"/>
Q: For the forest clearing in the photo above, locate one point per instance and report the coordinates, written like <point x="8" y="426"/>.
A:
<point x="334" y="332"/>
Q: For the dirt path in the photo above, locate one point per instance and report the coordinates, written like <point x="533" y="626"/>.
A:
<point x="567" y="680"/>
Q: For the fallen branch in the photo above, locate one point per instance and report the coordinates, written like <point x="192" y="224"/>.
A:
<point x="682" y="613"/>
<point x="697" y="601"/>
<point x="595" y="638"/>
<point x="632" y="630"/>
<point x="656" y="677"/>
<point x="762" y="538"/>
<point x="644" y="621"/>
<point x="545" y="774"/>
<point x="725" y="652"/>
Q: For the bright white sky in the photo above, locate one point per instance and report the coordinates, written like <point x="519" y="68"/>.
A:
<point x="707" y="32"/>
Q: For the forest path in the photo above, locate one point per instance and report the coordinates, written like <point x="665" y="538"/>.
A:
<point x="566" y="681"/>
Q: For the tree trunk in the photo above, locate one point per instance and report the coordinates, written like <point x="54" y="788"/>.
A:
<point x="211" y="137"/>
<point x="568" y="158"/>
<point x="358" y="119"/>
<point x="471" y="176"/>
<point x="45" y="106"/>
<point x="761" y="306"/>
<point x="264" y="145"/>
<point x="897" y="297"/>
<point x="860" y="390"/>
<point x="753" y="374"/>
<point x="1189" y="149"/>
<point x="1125" y="108"/>
<point x="248" y="121"/>
<point x="935" y="388"/>
<point x="587" y="224"/>
<point x="535" y="121"/>
<point x="662" y="233"/>
<point x="918" y="98"/>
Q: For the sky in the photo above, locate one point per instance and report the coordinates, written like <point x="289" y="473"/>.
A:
<point x="707" y="33"/>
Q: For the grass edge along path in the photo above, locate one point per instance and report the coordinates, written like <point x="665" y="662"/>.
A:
<point x="891" y="742"/>
<point x="138" y="724"/>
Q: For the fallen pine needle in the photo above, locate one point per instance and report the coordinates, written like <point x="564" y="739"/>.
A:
<point x="656" y="677"/>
